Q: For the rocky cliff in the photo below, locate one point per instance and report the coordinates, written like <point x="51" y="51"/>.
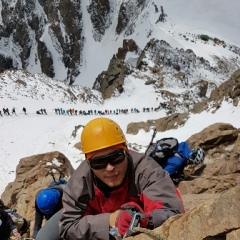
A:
<point x="48" y="35"/>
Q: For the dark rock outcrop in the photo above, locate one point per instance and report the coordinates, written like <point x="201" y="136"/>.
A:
<point x="99" y="11"/>
<point x="228" y="90"/>
<point x="113" y="79"/>
<point x="27" y="28"/>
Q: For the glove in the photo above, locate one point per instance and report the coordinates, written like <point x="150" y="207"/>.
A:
<point x="125" y="217"/>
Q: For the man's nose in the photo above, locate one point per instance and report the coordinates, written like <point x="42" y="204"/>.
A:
<point x="109" y="167"/>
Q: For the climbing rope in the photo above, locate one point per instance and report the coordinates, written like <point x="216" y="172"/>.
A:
<point x="151" y="233"/>
<point x="155" y="235"/>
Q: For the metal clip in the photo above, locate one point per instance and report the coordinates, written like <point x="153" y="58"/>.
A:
<point x="134" y="223"/>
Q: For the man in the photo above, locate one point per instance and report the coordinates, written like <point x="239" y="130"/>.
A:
<point x="107" y="189"/>
<point x="175" y="164"/>
<point x="173" y="157"/>
<point x="24" y="110"/>
<point x="48" y="202"/>
<point x="14" y="111"/>
<point x="21" y="223"/>
<point x="7" y="226"/>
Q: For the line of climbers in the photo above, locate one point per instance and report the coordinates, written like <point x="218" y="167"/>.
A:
<point x="72" y="111"/>
<point x="113" y="186"/>
<point x="6" y="111"/>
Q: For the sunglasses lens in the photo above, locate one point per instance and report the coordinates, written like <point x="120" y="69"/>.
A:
<point x="102" y="162"/>
<point x="97" y="163"/>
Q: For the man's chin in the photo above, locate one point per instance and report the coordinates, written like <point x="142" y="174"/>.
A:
<point x="112" y="184"/>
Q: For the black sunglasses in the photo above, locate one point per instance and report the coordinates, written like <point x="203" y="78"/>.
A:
<point x="112" y="158"/>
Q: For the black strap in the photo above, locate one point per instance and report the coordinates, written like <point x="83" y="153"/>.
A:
<point x="150" y="223"/>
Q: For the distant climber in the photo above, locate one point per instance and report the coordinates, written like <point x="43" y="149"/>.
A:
<point x="14" y="111"/>
<point x="6" y="111"/>
<point x="24" y="110"/>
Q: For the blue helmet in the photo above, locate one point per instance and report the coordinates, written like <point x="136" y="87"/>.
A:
<point x="47" y="200"/>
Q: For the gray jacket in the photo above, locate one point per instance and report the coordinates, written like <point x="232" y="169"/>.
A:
<point x="86" y="210"/>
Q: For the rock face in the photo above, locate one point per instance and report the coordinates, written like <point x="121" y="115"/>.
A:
<point x="221" y="144"/>
<point x="211" y="191"/>
<point x="161" y="124"/>
<point x="32" y="174"/>
<point x="24" y="27"/>
<point x="210" y="220"/>
<point x="215" y="219"/>
<point x="41" y="37"/>
<point x="156" y="58"/>
<point x="229" y="89"/>
<point x="29" y="22"/>
<point x="111" y="82"/>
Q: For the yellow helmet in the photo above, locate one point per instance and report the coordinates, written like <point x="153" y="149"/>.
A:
<point x="101" y="133"/>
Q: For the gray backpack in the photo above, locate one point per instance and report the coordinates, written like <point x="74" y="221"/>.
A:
<point x="163" y="149"/>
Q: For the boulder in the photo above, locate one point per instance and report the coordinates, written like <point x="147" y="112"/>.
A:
<point x="172" y="121"/>
<point x="221" y="169"/>
<point x="32" y="174"/>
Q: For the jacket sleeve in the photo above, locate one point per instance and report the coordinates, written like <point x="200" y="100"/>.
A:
<point x="11" y="223"/>
<point x="158" y="194"/>
<point x="38" y="222"/>
<point x="77" y="221"/>
<point x="173" y="165"/>
<point x="184" y="150"/>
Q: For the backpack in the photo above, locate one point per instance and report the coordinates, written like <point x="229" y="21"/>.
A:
<point x="60" y="182"/>
<point x="163" y="149"/>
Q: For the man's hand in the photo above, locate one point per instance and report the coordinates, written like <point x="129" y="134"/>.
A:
<point x="113" y="217"/>
<point x="126" y="215"/>
<point x="123" y="221"/>
<point x="16" y="234"/>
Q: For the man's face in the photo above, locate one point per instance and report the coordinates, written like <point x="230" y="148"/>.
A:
<point x="111" y="175"/>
